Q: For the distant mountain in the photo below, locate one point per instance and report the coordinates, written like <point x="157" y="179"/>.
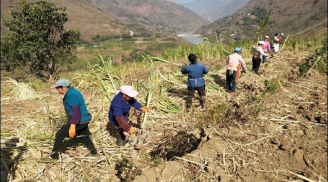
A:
<point x="301" y="17"/>
<point x="214" y="9"/>
<point x="181" y="1"/>
<point x="160" y="14"/>
<point x="114" y="17"/>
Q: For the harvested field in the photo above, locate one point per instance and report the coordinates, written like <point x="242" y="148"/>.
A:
<point x="274" y="128"/>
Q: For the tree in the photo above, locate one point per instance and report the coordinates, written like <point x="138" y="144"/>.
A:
<point x="38" y="40"/>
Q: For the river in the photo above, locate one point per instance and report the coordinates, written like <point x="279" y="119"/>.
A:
<point x="192" y="38"/>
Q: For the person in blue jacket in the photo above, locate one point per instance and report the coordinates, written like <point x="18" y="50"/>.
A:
<point x="196" y="81"/>
<point x="118" y="113"/>
<point x="78" y="118"/>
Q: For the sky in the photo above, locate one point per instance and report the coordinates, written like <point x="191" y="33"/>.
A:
<point x="181" y="1"/>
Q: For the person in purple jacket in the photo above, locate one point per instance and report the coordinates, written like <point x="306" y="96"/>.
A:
<point x="78" y="118"/>
<point x="119" y="111"/>
<point x="195" y="71"/>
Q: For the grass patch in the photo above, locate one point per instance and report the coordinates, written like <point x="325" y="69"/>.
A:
<point x="218" y="115"/>
<point x="158" y="160"/>
<point x="321" y="66"/>
<point x="304" y="68"/>
<point x="38" y="84"/>
<point x="258" y="109"/>
<point x="271" y="87"/>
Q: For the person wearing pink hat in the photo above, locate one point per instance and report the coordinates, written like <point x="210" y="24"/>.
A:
<point x="266" y="47"/>
<point x="118" y="113"/>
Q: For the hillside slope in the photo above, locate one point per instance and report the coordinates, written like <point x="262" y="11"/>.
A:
<point x="109" y="17"/>
<point x="304" y="18"/>
<point x="249" y="136"/>
<point x="160" y="14"/>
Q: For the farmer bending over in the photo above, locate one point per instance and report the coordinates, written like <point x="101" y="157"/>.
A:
<point x="196" y="81"/>
<point x="119" y="111"/>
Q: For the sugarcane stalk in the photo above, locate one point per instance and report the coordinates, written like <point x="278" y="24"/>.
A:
<point x="163" y="60"/>
<point x="147" y="104"/>
<point x="284" y="42"/>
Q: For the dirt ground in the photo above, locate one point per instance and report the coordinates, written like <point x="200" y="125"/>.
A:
<point x="274" y="128"/>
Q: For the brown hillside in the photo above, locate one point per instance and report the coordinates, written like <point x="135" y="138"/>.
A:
<point x="248" y="136"/>
<point x="160" y="14"/>
<point x="101" y="17"/>
<point x="82" y="16"/>
<point x="302" y="17"/>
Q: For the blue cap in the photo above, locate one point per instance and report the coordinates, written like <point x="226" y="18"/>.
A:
<point x="237" y="49"/>
<point x="61" y="82"/>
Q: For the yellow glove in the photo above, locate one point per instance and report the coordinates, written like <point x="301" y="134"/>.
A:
<point x="145" y="108"/>
<point x="71" y="131"/>
<point x="132" y="130"/>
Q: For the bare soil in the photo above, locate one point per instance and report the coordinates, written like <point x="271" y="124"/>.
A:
<point x="264" y="132"/>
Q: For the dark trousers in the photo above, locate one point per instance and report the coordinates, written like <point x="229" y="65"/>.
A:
<point x="256" y="64"/>
<point x="231" y="81"/>
<point x="201" y="93"/>
<point x="81" y="129"/>
<point x="264" y="58"/>
<point x="120" y="132"/>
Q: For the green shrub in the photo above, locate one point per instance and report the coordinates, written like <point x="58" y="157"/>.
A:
<point x="218" y="114"/>
<point x="321" y="66"/>
<point x="270" y="87"/>
<point x="303" y="69"/>
<point x="38" y="84"/>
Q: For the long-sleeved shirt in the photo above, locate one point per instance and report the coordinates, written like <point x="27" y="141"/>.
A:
<point x="275" y="40"/>
<point x="120" y="107"/>
<point x="257" y="52"/>
<point x="195" y="73"/>
<point x="234" y="60"/>
<point x="75" y="107"/>
<point x="266" y="47"/>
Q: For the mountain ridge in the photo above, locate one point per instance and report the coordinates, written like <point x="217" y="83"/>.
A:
<point x="113" y="18"/>
<point x="214" y="9"/>
<point x="304" y="18"/>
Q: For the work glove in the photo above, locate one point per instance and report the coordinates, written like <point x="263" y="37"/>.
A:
<point x="132" y="130"/>
<point x="145" y="108"/>
<point x="71" y="131"/>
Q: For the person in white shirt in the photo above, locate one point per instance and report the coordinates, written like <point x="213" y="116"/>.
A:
<point x="276" y="40"/>
<point x="258" y="52"/>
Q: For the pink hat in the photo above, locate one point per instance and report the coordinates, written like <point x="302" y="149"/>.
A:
<point x="267" y="37"/>
<point x="128" y="90"/>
